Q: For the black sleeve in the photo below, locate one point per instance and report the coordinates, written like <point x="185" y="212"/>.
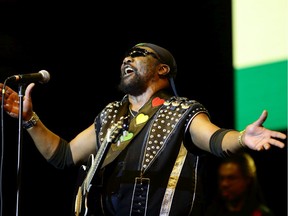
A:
<point x="62" y="157"/>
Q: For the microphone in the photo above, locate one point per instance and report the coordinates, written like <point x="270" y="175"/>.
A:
<point x="42" y="77"/>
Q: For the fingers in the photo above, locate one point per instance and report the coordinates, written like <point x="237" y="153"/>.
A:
<point x="274" y="139"/>
<point x="278" y="135"/>
<point x="28" y="90"/>
<point x="6" y="87"/>
<point x="12" y="111"/>
<point x="267" y="145"/>
<point x="6" y="92"/>
<point x="276" y="142"/>
<point x="12" y="100"/>
<point x="261" y="119"/>
<point x="12" y="114"/>
<point x="11" y="105"/>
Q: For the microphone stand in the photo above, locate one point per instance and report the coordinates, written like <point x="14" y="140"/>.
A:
<point x="20" y="135"/>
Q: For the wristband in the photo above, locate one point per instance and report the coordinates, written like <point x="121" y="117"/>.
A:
<point x="32" y="122"/>
<point x="215" y="143"/>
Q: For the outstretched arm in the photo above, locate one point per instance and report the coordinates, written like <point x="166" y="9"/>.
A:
<point x="255" y="136"/>
<point x="45" y="140"/>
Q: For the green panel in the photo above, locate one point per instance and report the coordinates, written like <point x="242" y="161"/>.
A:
<point x="258" y="88"/>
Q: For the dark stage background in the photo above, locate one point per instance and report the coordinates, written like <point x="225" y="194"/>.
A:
<point x="82" y="47"/>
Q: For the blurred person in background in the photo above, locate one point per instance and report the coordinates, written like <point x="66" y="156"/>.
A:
<point x="239" y="192"/>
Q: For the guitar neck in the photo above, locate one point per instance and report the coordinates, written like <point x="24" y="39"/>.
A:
<point x="112" y="134"/>
<point x="97" y="162"/>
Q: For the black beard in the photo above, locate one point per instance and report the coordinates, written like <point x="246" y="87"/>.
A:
<point x="136" y="87"/>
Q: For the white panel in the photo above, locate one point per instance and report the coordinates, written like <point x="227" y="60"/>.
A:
<point x="259" y="30"/>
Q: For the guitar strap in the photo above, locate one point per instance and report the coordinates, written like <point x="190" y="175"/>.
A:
<point x="172" y="183"/>
<point x="175" y="113"/>
<point x="116" y="110"/>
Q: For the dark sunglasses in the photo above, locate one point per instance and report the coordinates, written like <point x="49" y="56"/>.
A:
<point x="137" y="52"/>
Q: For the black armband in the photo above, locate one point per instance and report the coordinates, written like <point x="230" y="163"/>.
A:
<point x="215" y="143"/>
<point x="62" y="157"/>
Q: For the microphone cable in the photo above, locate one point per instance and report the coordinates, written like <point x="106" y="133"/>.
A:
<point x="2" y="148"/>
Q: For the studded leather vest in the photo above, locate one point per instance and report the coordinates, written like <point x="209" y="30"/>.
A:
<point x="148" y="170"/>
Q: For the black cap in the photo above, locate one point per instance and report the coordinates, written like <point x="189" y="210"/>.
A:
<point x="165" y="57"/>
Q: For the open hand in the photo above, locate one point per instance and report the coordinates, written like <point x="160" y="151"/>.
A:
<point x="258" y="138"/>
